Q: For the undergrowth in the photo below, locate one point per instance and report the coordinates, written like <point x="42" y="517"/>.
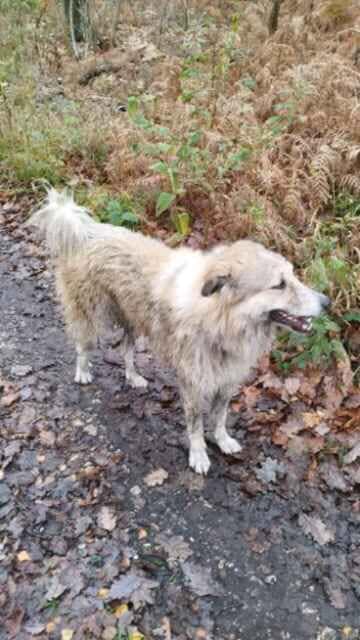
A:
<point x="228" y="132"/>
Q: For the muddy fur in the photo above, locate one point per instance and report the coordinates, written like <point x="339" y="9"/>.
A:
<point x="206" y="314"/>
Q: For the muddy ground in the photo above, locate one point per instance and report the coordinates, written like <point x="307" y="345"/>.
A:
<point x="90" y="549"/>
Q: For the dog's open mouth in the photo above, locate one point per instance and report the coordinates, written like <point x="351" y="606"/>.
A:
<point x="298" y="323"/>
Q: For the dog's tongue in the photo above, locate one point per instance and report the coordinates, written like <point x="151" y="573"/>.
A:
<point x="298" y="323"/>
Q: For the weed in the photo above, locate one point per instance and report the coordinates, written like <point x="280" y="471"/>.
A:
<point x="320" y="348"/>
<point x="52" y="605"/>
<point x="119" y="212"/>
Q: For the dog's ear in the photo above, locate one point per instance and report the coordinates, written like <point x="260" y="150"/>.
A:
<point x="214" y="284"/>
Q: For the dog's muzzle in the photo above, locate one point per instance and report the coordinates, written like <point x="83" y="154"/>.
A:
<point x="303" y="324"/>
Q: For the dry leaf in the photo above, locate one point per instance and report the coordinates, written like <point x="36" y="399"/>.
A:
<point x="292" y="385"/>
<point x="133" y="588"/>
<point x="269" y="469"/>
<point x="251" y="396"/>
<point x="352" y="455"/>
<point x="109" y="633"/>
<point x="120" y="610"/>
<point x="67" y="634"/>
<point x="279" y="438"/>
<point x="103" y="593"/>
<point x="9" y="399"/>
<point x="106" y="519"/>
<point x="292" y="426"/>
<point x="156" y="477"/>
<point x="333" y="476"/>
<point x="166" y="628"/>
<point x="311" y="419"/>
<point x="312" y="525"/>
<point x="23" y="556"/>
<point x="176" y="548"/>
<point x="47" y="438"/>
<point x="200" y="580"/>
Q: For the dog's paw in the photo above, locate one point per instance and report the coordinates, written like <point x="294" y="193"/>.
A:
<point x="228" y="445"/>
<point x="199" y="460"/>
<point x="83" y="377"/>
<point x="137" y="381"/>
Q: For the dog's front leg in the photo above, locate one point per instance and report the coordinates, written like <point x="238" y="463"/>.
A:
<point x="218" y="414"/>
<point x="198" y="458"/>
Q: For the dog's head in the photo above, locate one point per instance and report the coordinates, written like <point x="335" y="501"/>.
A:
<point x="260" y="285"/>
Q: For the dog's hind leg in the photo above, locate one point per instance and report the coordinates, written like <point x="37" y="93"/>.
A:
<point x="218" y="415"/>
<point x="132" y="376"/>
<point x="198" y="458"/>
<point x="83" y="374"/>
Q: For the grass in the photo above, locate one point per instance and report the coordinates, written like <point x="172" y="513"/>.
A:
<point x="227" y="129"/>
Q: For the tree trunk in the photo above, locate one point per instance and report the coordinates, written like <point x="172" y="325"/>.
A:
<point x="77" y="17"/>
<point x="274" y="16"/>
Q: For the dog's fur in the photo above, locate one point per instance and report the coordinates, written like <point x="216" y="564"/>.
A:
<point x="205" y="313"/>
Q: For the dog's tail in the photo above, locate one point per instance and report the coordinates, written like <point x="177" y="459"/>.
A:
<point x="66" y="226"/>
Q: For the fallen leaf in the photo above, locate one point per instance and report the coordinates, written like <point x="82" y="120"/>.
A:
<point x="292" y="385"/>
<point x="352" y="455"/>
<point x="200" y="580"/>
<point x="109" y="633"/>
<point x="176" y="548"/>
<point x="56" y="589"/>
<point x="103" y="593"/>
<point x="311" y="419"/>
<point x="354" y="474"/>
<point x="23" y="556"/>
<point x="14" y="620"/>
<point x="272" y="381"/>
<point x="9" y="399"/>
<point x="156" y="477"/>
<point x="251" y="396"/>
<point x="47" y="438"/>
<point x="106" y="519"/>
<point x="201" y="634"/>
<point x="269" y="470"/>
<point x="336" y="595"/>
<point x="20" y="370"/>
<point x="333" y="476"/>
<point x="120" y="610"/>
<point x="166" y="628"/>
<point x="35" y="629"/>
<point x="312" y="525"/>
<point x="191" y="481"/>
<point x="67" y="634"/>
<point x="279" y="438"/>
<point x="298" y="445"/>
<point x="135" y="635"/>
<point x="292" y="426"/>
<point x="133" y="588"/>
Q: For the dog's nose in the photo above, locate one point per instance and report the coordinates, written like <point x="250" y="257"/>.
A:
<point x="325" y="301"/>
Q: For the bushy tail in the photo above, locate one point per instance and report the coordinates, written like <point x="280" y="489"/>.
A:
<point x="66" y="226"/>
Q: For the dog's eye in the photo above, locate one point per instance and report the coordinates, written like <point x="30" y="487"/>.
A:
<point x="281" y="285"/>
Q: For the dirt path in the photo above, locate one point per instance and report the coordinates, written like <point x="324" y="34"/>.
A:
<point x="225" y="557"/>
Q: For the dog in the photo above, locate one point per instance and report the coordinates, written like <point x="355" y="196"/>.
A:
<point x="208" y="314"/>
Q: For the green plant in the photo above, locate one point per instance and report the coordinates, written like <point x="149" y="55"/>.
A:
<point x="320" y="347"/>
<point x="119" y="212"/>
<point x="52" y="605"/>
